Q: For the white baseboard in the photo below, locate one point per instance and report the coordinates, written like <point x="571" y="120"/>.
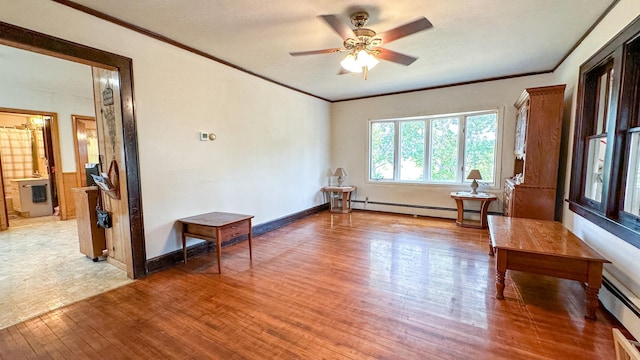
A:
<point x="621" y="303"/>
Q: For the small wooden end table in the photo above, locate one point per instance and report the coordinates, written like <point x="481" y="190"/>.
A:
<point x="547" y="248"/>
<point x="484" y="199"/>
<point x="339" y="198"/>
<point x="218" y="227"/>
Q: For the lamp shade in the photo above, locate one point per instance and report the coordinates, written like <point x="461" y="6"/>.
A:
<point x="474" y="175"/>
<point x="350" y="63"/>
<point x="340" y="172"/>
<point x="355" y="62"/>
<point x="366" y="59"/>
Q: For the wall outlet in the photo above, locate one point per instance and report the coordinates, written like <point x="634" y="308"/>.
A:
<point x="204" y="136"/>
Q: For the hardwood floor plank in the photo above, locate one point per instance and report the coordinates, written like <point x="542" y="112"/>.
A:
<point x="352" y="286"/>
<point x="42" y="335"/>
<point x="11" y="349"/>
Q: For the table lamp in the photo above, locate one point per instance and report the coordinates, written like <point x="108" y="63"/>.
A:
<point x="474" y="175"/>
<point x="341" y="174"/>
<point x="329" y="174"/>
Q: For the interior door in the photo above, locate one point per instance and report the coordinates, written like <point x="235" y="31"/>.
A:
<point x="82" y="125"/>
<point x="51" y="160"/>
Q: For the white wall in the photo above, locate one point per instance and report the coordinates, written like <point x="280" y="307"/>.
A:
<point x="18" y="92"/>
<point x="272" y="147"/>
<point x="625" y="267"/>
<point x="349" y="121"/>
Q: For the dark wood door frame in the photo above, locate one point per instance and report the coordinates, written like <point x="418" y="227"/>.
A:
<point x="26" y="39"/>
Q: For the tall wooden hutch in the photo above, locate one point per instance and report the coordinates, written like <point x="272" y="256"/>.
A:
<point x="531" y="193"/>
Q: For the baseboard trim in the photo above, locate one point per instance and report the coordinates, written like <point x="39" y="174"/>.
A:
<point x="607" y="284"/>
<point x="175" y="257"/>
<point x="414" y="206"/>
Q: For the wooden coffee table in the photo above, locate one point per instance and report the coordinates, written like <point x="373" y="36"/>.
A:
<point x="546" y="248"/>
<point x="215" y="227"/>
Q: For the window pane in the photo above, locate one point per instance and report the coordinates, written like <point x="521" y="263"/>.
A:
<point x="632" y="192"/>
<point x="480" y="145"/>
<point x="412" y="150"/>
<point x="444" y="149"/>
<point x="382" y="151"/>
<point x="595" y="168"/>
<point x="605" y="83"/>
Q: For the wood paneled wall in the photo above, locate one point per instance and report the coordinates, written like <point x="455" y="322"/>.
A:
<point x="69" y="182"/>
<point x="109" y="126"/>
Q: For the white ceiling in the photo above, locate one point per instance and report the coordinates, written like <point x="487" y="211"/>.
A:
<point x="29" y="70"/>
<point x="471" y="40"/>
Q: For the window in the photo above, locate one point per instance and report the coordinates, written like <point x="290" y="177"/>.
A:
<point x="434" y="149"/>
<point x="600" y="83"/>
<point x="632" y="191"/>
<point x="605" y="173"/>
<point x="382" y="150"/>
<point x="630" y="109"/>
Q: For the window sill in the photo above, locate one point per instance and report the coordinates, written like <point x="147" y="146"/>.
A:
<point x="448" y="186"/>
<point x="610" y="225"/>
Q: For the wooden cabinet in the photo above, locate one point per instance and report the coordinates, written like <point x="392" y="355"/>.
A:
<point x="90" y="236"/>
<point x="531" y="193"/>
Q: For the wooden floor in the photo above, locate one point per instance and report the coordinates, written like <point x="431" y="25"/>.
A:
<point x="359" y="286"/>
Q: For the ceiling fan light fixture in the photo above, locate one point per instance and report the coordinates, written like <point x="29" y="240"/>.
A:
<point x="357" y="62"/>
<point x="363" y="45"/>
<point x="350" y="63"/>
<point x="366" y="59"/>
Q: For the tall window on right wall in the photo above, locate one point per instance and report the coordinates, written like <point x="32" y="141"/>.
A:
<point x="605" y="173"/>
<point x="599" y="87"/>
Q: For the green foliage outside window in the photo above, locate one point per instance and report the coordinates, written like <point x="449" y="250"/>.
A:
<point x="382" y="150"/>
<point x="444" y="145"/>
<point x="412" y="139"/>
<point x="442" y="154"/>
<point x="480" y="145"/>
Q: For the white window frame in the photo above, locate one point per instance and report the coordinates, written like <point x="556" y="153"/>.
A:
<point x="460" y="177"/>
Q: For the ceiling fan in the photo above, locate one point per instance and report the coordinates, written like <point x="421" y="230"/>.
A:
<point x="363" y="45"/>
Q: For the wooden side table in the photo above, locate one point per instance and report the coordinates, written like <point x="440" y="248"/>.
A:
<point x="339" y="198"/>
<point x="215" y="226"/>
<point x="484" y="199"/>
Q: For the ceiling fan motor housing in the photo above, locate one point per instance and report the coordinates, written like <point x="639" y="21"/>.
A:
<point x="364" y="38"/>
<point x="359" y="19"/>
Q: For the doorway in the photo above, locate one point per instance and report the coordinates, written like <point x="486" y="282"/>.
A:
<point x="85" y="143"/>
<point x="27" y="164"/>
<point x="41" y="265"/>
<point x="127" y="154"/>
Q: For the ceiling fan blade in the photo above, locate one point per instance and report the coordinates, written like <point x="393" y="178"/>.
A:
<point x="338" y="26"/>
<point x="395" y="57"/>
<point x="315" y="52"/>
<point x="405" y="30"/>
